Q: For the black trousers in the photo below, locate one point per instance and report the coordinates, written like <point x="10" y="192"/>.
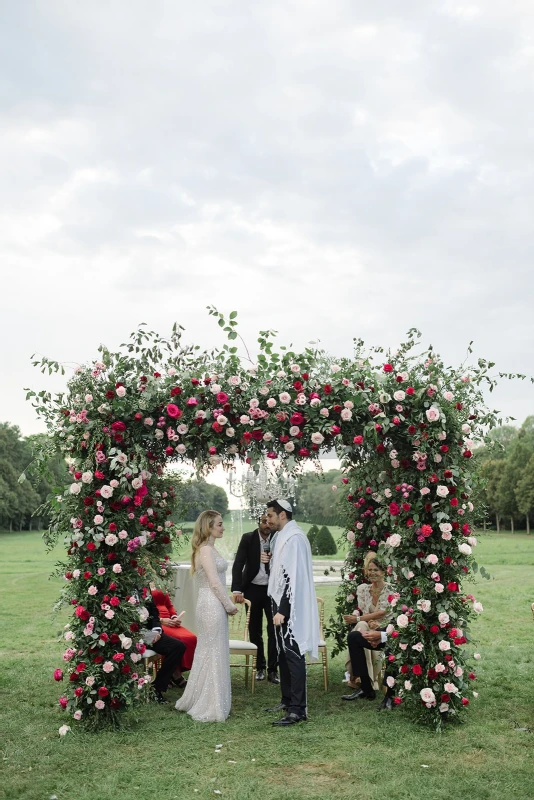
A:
<point x="357" y="646"/>
<point x="173" y="650"/>
<point x="292" y="673"/>
<point x="260" y="602"/>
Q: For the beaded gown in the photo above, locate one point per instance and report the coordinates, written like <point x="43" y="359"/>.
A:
<point x="208" y="694"/>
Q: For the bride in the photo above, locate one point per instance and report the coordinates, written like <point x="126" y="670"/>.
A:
<point x="208" y="695"/>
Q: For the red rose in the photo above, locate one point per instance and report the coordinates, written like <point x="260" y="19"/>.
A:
<point x="394" y="509"/>
<point x="110" y="394"/>
<point x="63" y="702"/>
<point x="467" y="454"/>
<point x="125" y="669"/>
<point x="434" y="629"/>
<point x="304" y="452"/>
<point x="173" y="411"/>
<point x="103" y="692"/>
<point x="465" y="701"/>
<point x="78" y="691"/>
<point x="134" y="627"/>
<point x="296" y="418"/>
<point x="305" y="376"/>
<point x="447" y="474"/>
<point x="459" y="406"/>
<point x="358" y="440"/>
<point x="115" y="602"/>
<point x="195" y="381"/>
<point x="73" y="677"/>
<point x="143" y="379"/>
<point x="388" y="368"/>
<point x="380" y="448"/>
<point x="406" y="506"/>
<point x="112" y="527"/>
<point x="454" y="501"/>
<point x="397" y="700"/>
<point x="445" y="698"/>
<point x="410" y="390"/>
<point x="98" y="659"/>
<point x="87" y="575"/>
<point x="112" y="586"/>
<point x="472" y="676"/>
<point x="297" y="386"/>
<point x="212" y="450"/>
<point x="114" y="638"/>
<point x="175" y="391"/>
<point x="405" y="669"/>
<point x="58" y="675"/>
<point x="118" y="657"/>
<point x="157" y="374"/>
<point x="138" y="416"/>
<point x="257" y="434"/>
<point x="118" y="427"/>
<point x="115" y="703"/>
<point x="452" y="586"/>
<point x="417" y="669"/>
<point x="327" y="388"/>
<point x="416" y="590"/>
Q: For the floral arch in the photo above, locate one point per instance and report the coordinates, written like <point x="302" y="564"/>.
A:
<point x="402" y="423"/>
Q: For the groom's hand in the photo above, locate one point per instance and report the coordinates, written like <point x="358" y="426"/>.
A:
<point x="278" y="619"/>
<point x="238" y="597"/>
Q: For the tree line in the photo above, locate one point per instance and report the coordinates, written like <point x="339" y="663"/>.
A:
<point x="506" y="467"/>
<point x="20" y="500"/>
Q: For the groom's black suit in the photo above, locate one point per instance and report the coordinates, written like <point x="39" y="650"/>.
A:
<point x="246" y="567"/>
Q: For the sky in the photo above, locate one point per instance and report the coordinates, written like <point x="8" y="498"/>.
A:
<point x="329" y="170"/>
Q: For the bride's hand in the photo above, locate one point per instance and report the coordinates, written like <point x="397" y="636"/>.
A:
<point x="233" y="611"/>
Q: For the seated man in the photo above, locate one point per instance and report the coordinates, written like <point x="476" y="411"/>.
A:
<point x="358" y="642"/>
<point x="172" y="649"/>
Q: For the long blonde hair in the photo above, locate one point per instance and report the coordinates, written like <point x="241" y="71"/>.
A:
<point x="201" y="533"/>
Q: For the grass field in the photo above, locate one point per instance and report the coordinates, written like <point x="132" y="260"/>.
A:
<point x="343" y="752"/>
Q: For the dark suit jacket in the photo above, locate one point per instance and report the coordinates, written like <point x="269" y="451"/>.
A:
<point x="247" y="561"/>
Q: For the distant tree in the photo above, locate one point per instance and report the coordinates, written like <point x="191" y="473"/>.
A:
<point x="315" y="501"/>
<point x="324" y="543"/>
<point x="198" y="495"/>
<point x="524" y="492"/>
<point x="312" y="536"/>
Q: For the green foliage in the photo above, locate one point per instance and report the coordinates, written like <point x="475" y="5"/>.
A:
<point x="198" y="495"/>
<point x="312" y="536"/>
<point x="315" y="501"/>
<point x="324" y="543"/>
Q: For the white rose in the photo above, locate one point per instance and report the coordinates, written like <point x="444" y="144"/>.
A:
<point x="432" y="414"/>
<point x="443" y="618"/>
<point x="424" y="605"/>
<point x="442" y="491"/>
<point x="394" y="540"/>
<point x="478" y="608"/>
<point x="427" y="695"/>
<point x="75" y="488"/>
<point x="402" y="621"/>
<point x="465" y="549"/>
<point x="289" y="447"/>
<point x="346" y="415"/>
<point x="317" y="438"/>
<point x="444" y="645"/>
<point x="408" y="686"/>
<point x="64" y="730"/>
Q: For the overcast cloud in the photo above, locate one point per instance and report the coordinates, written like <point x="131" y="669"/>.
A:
<point x="329" y="169"/>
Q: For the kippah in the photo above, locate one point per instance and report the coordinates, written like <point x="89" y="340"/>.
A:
<point x="285" y="504"/>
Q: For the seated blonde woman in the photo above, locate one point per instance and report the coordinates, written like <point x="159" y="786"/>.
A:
<point x="373" y="614"/>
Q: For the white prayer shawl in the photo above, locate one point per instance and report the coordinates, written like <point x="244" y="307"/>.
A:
<point x="292" y="565"/>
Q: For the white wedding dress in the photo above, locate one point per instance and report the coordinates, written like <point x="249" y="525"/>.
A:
<point x="208" y="694"/>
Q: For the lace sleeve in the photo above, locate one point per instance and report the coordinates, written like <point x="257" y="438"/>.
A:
<point x="207" y="562"/>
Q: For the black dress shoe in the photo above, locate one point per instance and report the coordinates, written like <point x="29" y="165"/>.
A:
<point x="273" y="677"/>
<point x="180" y="683"/>
<point x="289" y="719"/>
<point x="159" y="697"/>
<point x="279" y="707"/>
<point x="260" y="675"/>
<point x="359" y="695"/>
<point x="386" y="704"/>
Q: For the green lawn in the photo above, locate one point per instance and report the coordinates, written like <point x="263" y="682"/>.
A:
<point x="342" y="752"/>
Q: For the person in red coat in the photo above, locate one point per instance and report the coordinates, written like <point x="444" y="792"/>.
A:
<point x="172" y="626"/>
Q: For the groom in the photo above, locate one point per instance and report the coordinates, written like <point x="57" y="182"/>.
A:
<point x="295" y="615"/>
